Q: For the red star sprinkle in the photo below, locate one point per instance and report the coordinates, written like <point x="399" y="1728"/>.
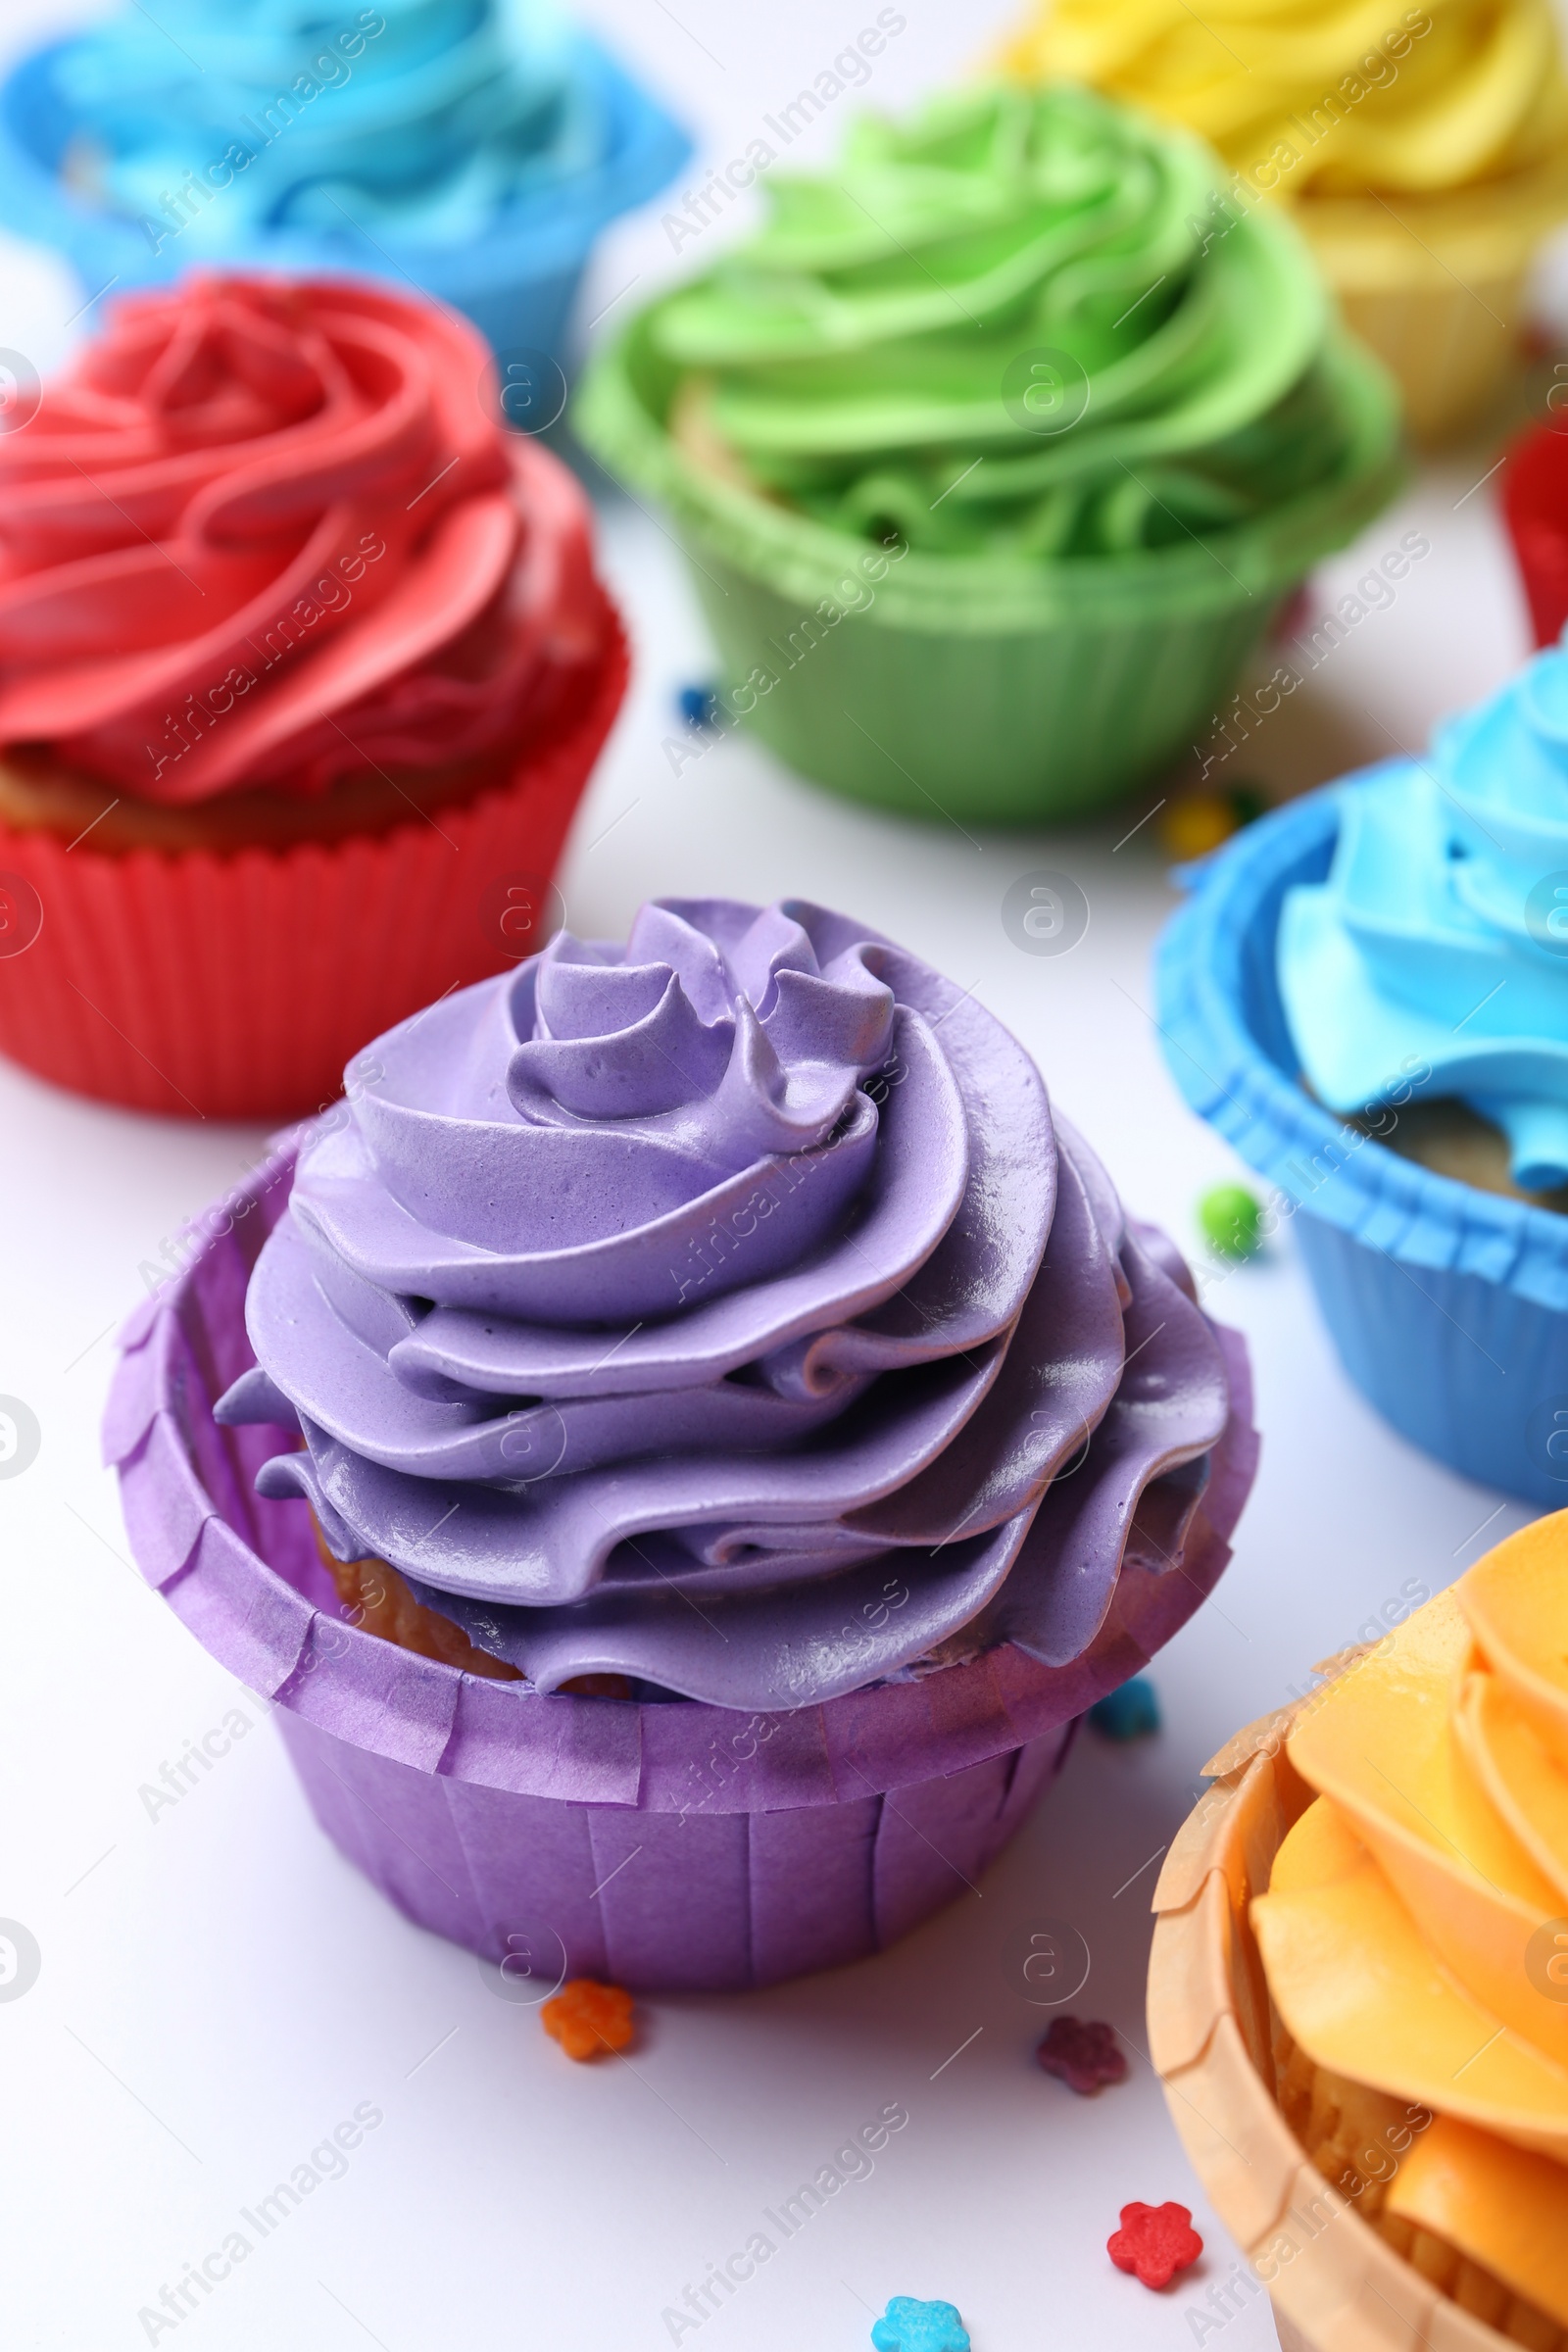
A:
<point x="1154" y="2243"/>
<point x="1083" y="2055"/>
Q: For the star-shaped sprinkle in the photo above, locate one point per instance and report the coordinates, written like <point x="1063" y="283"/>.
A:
<point x="908" y="2326"/>
<point x="1083" y="2052"/>
<point x="588" y="2019"/>
<point x="1154" y="2243"/>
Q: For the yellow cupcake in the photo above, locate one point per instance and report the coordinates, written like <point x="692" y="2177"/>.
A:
<point x="1425" y="151"/>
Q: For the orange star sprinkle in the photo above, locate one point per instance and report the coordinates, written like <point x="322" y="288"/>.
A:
<point x="589" y="2019"/>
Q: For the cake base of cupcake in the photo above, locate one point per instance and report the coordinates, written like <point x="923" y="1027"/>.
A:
<point x="1435" y="285"/>
<point x="1451" y="1139"/>
<point x="373" y="1595"/>
<point x="672" y="1844"/>
<point x="237" y="982"/>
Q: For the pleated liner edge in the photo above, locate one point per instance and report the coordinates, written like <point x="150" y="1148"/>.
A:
<point x="237" y="987"/>
<point x="676" y="1845"/>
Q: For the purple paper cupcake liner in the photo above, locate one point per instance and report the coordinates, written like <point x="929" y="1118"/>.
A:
<point x="669" y="1846"/>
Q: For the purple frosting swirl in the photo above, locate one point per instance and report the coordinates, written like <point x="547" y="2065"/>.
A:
<point x="730" y="1311"/>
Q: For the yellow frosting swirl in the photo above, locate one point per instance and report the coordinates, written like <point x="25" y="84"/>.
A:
<point x="1332" y="97"/>
<point x="1415" y="1929"/>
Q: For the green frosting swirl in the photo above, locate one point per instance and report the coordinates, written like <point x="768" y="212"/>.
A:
<point x="853" y="357"/>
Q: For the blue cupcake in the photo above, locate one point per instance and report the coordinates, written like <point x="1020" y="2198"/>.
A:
<point x="475" y="147"/>
<point x="1367" y="993"/>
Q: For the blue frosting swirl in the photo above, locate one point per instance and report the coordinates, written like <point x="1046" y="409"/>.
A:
<point x="418" y="118"/>
<point x="1437" y="948"/>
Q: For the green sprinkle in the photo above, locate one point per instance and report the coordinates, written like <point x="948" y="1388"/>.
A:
<point x="1231" y="1220"/>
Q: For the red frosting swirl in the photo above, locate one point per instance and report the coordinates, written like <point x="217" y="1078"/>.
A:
<point x="266" y="532"/>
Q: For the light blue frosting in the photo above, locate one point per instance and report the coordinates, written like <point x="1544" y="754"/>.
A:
<point x="424" y="128"/>
<point x="1440" y="937"/>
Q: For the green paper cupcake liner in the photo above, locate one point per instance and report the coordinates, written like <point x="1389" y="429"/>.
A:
<point x="990" y="690"/>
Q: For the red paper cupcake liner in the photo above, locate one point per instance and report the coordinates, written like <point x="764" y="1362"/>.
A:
<point x="238" y="986"/>
<point x="1535" y="505"/>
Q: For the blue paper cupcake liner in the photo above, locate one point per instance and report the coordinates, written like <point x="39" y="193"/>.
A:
<point x="1449" y="1306"/>
<point x="517" y="283"/>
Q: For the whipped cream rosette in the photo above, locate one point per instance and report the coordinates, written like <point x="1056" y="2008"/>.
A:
<point x="475" y="147"/>
<point x="262" y="533"/>
<point x="1438" y="942"/>
<point x="729" y="1311"/>
<point x="435" y="117"/>
<point x="1419" y="100"/>
<point x="854" y="353"/>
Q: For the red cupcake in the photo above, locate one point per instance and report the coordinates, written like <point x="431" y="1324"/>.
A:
<point x="302" y="667"/>
<point x="1535" y="505"/>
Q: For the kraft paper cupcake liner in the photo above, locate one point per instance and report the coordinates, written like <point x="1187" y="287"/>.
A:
<point x="237" y="986"/>
<point x="1535" y="507"/>
<point x="1449" y="1306"/>
<point x="517" y="283"/>
<point x="1002" y="692"/>
<point x="1334" y="2285"/>
<point x="677" y="1845"/>
<point x="1437" y="285"/>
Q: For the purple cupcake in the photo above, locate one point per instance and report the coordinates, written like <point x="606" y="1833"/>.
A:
<point x="739" y="1422"/>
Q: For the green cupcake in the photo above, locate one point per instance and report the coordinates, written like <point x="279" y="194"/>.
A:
<point x="996" y="451"/>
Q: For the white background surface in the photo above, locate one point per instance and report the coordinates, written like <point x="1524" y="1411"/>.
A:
<point x="218" y="1988"/>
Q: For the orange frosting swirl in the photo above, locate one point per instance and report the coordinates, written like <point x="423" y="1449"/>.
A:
<point x="269" y="532"/>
